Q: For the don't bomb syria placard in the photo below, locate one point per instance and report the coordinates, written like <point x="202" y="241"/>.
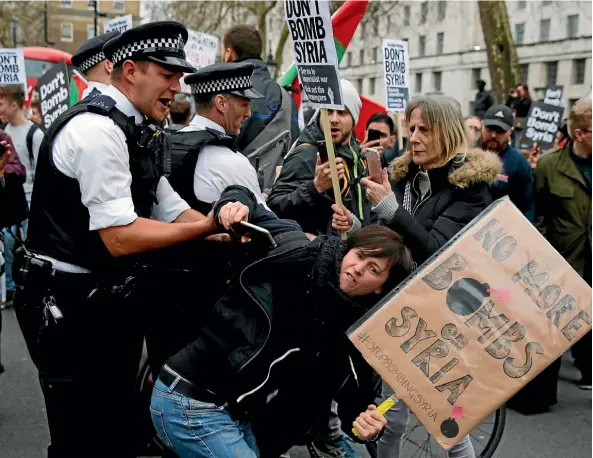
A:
<point x="475" y="323"/>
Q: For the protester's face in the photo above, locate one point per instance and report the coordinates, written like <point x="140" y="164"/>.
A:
<point x="521" y="91"/>
<point x="583" y="136"/>
<point x="473" y="126"/>
<point x="387" y="140"/>
<point x="494" y="138"/>
<point x="234" y="111"/>
<point x="36" y="115"/>
<point x="425" y="149"/>
<point x="155" y="89"/>
<point x="361" y="275"/>
<point x="7" y="108"/>
<point x="341" y="125"/>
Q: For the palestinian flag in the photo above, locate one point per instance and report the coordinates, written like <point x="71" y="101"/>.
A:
<point x="77" y="86"/>
<point x="344" y="21"/>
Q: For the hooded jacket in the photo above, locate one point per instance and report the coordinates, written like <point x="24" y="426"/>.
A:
<point x="459" y="191"/>
<point x="294" y="196"/>
<point x="283" y="318"/>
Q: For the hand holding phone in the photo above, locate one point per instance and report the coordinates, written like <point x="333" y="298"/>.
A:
<point x="256" y="233"/>
<point x="373" y="135"/>
<point x="374" y="164"/>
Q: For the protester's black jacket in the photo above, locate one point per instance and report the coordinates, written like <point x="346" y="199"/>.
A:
<point x="294" y="196"/>
<point x="459" y="191"/>
<point x="279" y="334"/>
<point x="482" y="103"/>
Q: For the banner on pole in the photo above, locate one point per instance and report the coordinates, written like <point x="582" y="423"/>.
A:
<point x="121" y="24"/>
<point x="310" y="27"/>
<point x="12" y="68"/>
<point x="200" y="51"/>
<point x="53" y="93"/>
<point x="396" y="69"/>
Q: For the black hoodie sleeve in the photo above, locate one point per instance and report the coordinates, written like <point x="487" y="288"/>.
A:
<point x="294" y="196"/>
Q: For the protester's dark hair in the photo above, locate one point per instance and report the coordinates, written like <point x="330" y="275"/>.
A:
<point x="382" y="118"/>
<point x="245" y="40"/>
<point x="36" y="104"/>
<point x="526" y="89"/>
<point x="564" y="129"/>
<point x="179" y="111"/>
<point x="14" y="93"/>
<point x="382" y="242"/>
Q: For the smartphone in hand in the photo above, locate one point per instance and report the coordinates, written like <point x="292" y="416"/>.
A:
<point x="374" y="164"/>
<point x="373" y="135"/>
<point x="322" y="147"/>
<point x="256" y="233"/>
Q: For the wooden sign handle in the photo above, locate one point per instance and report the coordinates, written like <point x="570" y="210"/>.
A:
<point x="332" y="161"/>
<point x="400" y="134"/>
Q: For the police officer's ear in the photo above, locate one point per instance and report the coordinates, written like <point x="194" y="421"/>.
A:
<point x="221" y="102"/>
<point x="108" y="66"/>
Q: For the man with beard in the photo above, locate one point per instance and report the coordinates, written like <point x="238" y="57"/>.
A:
<point x="516" y="178"/>
<point x="303" y="191"/>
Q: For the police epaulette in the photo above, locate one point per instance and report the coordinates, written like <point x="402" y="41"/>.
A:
<point x="218" y="134"/>
<point x="101" y="104"/>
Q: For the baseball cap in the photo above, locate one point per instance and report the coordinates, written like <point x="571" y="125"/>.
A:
<point x="499" y="116"/>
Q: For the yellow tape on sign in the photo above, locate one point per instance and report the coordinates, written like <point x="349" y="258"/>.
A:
<point x="383" y="407"/>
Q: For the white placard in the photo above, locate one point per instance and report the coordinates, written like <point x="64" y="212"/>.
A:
<point x="200" y="51"/>
<point x="396" y="69"/>
<point x="121" y="24"/>
<point x="12" y="68"/>
<point x="309" y="23"/>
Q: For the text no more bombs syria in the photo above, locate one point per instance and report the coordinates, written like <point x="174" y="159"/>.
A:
<point x="475" y="323"/>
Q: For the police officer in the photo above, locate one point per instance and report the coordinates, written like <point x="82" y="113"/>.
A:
<point x="99" y="202"/>
<point x="91" y="61"/>
<point x="222" y="94"/>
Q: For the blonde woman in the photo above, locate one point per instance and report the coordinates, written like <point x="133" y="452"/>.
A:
<point x="438" y="186"/>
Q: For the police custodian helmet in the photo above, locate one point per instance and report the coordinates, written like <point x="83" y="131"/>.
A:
<point x="231" y="78"/>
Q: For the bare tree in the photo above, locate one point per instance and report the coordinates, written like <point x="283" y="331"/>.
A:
<point x="27" y="16"/>
<point x="500" y="47"/>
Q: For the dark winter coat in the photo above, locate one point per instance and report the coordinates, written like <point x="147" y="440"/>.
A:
<point x="294" y="196"/>
<point x="459" y="191"/>
<point x="276" y="343"/>
<point x="482" y="102"/>
<point x="522" y="107"/>
<point x="13" y="201"/>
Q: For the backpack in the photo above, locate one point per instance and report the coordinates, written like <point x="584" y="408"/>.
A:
<point x="34" y="128"/>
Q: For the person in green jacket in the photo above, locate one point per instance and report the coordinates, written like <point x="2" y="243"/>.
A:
<point x="563" y="209"/>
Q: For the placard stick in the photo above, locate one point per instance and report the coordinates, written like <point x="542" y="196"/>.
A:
<point x="332" y="161"/>
<point x="400" y="134"/>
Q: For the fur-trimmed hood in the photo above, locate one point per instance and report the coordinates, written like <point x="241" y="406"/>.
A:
<point x="477" y="166"/>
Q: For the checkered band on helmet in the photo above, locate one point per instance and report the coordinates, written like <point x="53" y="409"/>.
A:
<point x="175" y="44"/>
<point x="92" y="61"/>
<point x="222" y="85"/>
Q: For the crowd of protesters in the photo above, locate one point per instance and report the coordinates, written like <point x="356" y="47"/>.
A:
<point x="446" y="172"/>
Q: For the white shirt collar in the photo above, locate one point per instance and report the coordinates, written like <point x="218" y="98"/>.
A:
<point x="202" y="123"/>
<point x="123" y="103"/>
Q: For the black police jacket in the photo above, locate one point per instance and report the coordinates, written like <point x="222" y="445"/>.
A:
<point x="59" y="221"/>
<point x="275" y="343"/>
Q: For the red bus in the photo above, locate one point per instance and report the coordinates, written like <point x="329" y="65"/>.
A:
<point x="38" y="60"/>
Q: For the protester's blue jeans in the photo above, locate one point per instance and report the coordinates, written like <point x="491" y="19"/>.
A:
<point x="194" y="429"/>
<point x="9" y="246"/>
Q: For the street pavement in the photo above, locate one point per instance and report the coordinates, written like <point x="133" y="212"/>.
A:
<point x="564" y="432"/>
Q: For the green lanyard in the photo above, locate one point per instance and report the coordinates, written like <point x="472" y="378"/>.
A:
<point x="359" y="188"/>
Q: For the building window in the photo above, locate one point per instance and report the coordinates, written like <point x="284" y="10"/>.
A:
<point x="418" y="82"/>
<point x="476" y="75"/>
<point x="546" y="2"/>
<point x="519" y="33"/>
<point x="406" y="15"/>
<point x="522" y="5"/>
<point x="90" y="31"/>
<point x="359" y="85"/>
<point x="372" y="84"/>
<point x="361" y="57"/>
<point x="442" y="10"/>
<point x="66" y="4"/>
<point x="349" y="59"/>
<point x="423" y="12"/>
<point x="421" y="45"/>
<point x="375" y="54"/>
<point x="572" y="26"/>
<point x="119" y="6"/>
<point x="552" y="73"/>
<point x="440" y="43"/>
<point x="437" y="79"/>
<point x="524" y="73"/>
<point x="67" y="32"/>
<point x="363" y="29"/>
<point x="578" y="71"/>
<point x="544" y="30"/>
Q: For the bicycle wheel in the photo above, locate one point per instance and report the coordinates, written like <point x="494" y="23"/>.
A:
<point x="417" y="443"/>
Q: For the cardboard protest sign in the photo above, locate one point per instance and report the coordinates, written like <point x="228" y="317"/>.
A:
<point x="200" y="51"/>
<point x="542" y="124"/>
<point x="53" y="93"/>
<point x="396" y="69"/>
<point x="12" y="68"/>
<point x="554" y="95"/>
<point x="475" y="322"/>
<point x="314" y="50"/>
<point x="121" y="24"/>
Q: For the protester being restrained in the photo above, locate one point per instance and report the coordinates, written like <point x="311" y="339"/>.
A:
<point x="226" y="393"/>
<point x="303" y="191"/>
